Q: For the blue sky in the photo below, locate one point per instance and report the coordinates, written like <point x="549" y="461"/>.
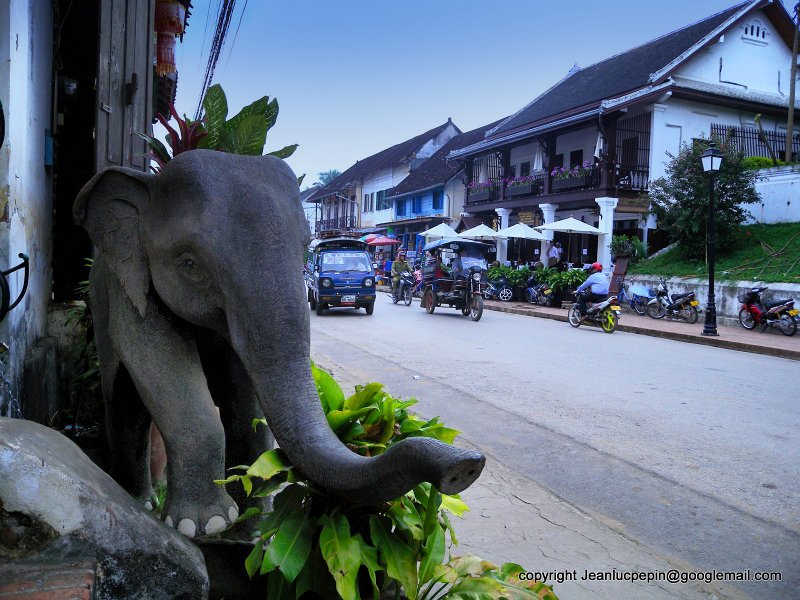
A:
<point x="356" y="76"/>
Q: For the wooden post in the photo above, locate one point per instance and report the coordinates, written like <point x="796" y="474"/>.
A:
<point x="792" y="81"/>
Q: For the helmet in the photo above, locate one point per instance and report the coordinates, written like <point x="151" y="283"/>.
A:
<point x="597" y="267"/>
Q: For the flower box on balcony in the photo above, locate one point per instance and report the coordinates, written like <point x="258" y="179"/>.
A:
<point x="571" y="182"/>
<point x="523" y="190"/>
<point x="481" y="196"/>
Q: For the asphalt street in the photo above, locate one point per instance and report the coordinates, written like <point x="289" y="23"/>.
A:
<point x="691" y="450"/>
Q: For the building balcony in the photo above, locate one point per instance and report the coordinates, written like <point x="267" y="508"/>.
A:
<point x="626" y="180"/>
<point x="336" y="224"/>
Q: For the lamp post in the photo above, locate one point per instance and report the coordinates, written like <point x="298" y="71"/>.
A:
<point x="712" y="160"/>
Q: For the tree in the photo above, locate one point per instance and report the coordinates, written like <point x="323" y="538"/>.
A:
<point x="680" y="199"/>
<point x="326" y="177"/>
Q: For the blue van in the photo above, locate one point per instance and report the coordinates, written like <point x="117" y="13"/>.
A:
<point x="339" y="272"/>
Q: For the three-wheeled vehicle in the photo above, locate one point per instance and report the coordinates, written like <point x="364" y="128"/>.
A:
<point x="462" y="287"/>
<point x="339" y="272"/>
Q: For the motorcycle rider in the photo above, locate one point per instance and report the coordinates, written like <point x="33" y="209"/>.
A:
<point x="598" y="284"/>
<point x="399" y="266"/>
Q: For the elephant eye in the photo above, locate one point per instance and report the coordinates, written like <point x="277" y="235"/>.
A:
<point x="189" y="268"/>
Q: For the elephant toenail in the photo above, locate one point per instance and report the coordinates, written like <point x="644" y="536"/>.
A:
<point x="233" y="514"/>
<point x="168" y="521"/>
<point x="215" y="524"/>
<point x="187" y="527"/>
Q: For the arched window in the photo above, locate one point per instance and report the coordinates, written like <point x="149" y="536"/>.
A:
<point x="755" y="32"/>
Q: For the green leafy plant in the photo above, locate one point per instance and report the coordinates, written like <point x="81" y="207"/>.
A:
<point x="245" y="133"/>
<point x="496" y="272"/>
<point x="316" y="542"/>
<point x="680" y="199"/>
<point x="754" y="163"/>
<point x="630" y="246"/>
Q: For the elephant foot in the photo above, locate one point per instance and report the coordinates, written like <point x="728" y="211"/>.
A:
<point x="211" y="513"/>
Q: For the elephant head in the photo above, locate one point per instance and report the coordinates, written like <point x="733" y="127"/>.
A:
<point x="219" y="240"/>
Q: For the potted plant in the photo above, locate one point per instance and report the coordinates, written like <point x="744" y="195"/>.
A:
<point x="482" y="191"/>
<point x="628" y="246"/>
<point x="579" y="176"/>
<point x="524" y="186"/>
<point x="517" y="280"/>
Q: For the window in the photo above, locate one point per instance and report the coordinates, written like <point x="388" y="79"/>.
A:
<point x="382" y="202"/>
<point x="366" y="203"/>
<point x="558" y="160"/>
<point x="401" y="207"/>
<point x="755" y="32"/>
<point x="575" y="158"/>
<point x="372" y="201"/>
<point x="417" y="204"/>
<point x="630" y="151"/>
<point x="525" y="169"/>
<point x="437" y="200"/>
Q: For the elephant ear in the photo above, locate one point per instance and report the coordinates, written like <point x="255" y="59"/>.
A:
<point x="110" y="207"/>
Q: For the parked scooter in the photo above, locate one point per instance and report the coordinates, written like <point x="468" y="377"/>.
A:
<point x="605" y="313"/>
<point x="404" y="288"/>
<point x="637" y="298"/>
<point x="499" y="290"/>
<point x="677" y="306"/>
<point x="538" y="293"/>
<point x="780" y="313"/>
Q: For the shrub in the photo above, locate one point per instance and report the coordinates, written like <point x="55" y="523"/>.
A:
<point x="316" y="542"/>
<point x="630" y="246"/>
<point x="753" y="163"/>
<point x="680" y="199"/>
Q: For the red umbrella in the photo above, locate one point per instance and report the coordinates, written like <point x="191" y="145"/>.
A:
<point x="369" y="237"/>
<point x="383" y="241"/>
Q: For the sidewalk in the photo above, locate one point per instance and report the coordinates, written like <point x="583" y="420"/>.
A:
<point x="771" y="342"/>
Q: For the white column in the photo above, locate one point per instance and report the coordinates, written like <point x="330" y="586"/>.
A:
<point x="606" y="225"/>
<point x="549" y="215"/>
<point x="502" y="245"/>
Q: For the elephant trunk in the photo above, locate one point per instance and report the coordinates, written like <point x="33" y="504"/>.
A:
<point x="302" y="431"/>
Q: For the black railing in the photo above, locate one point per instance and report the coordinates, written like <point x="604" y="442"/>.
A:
<point x="632" y="177"/>
<point x="748" y="140"/>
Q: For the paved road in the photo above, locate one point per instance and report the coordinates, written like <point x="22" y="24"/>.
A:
<point x="692" y="450"/>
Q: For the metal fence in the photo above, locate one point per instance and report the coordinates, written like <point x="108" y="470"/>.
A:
<point x="748" y="140"/>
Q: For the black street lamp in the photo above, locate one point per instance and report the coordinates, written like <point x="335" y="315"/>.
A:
<point x="712" y="160"/>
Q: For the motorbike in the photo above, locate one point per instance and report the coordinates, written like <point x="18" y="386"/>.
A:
<point x="463" y="289"/>
<point x="404" y="288"/>
<point x="680" y="306"/>
<point x="779" y="313"/>
<point x="637" y="298"/>
<point x="538" y="293"/>
<point x="498" y="289"/>
<point x="605" y="313"/>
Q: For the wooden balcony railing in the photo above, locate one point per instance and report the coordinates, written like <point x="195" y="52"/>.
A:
<point x="626" y="177"/>
<point x="347" y="222"/>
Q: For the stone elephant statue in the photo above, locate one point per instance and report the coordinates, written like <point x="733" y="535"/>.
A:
<point x="198" y="299"/>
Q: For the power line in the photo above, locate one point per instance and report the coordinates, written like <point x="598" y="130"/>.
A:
<point x="223" y="23"/>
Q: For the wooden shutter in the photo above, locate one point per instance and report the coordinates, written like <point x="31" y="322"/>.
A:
<point x="124" y="82"/>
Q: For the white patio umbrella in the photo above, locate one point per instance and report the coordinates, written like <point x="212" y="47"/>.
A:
<point x="523" y="232"/>
<point x="570" y="225"/>
<point x="479" y="232"/>
<point x="442" y="230"/>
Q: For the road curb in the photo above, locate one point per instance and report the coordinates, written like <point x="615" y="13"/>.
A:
<point x="718" y="342"/>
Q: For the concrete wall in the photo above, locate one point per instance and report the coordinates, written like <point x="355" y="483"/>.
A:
<point x="25" y="183"/>
<point x="725" y="293"/>
<point x="779" y="189"/>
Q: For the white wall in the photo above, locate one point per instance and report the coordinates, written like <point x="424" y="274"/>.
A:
<point x="584" y="139"/>
<point x="25" y="183"/>
<point x="742" y="60"/>
<point x="779" y="189"/>
<point x="677" y="121"/>
<point x="381" y="180"/>
<point x="433" y="145"/>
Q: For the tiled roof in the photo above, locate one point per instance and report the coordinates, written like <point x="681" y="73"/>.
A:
<point x="614" y="76"/>
<point x="436" y="170"/>
<point x="385" y="158"/>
